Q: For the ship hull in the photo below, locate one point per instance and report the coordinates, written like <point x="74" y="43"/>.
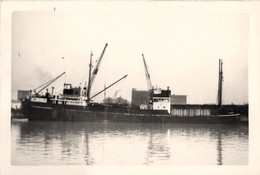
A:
<point x="36" y="111"/>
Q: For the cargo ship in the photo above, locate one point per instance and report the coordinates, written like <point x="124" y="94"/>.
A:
<point x="75" y="104"/>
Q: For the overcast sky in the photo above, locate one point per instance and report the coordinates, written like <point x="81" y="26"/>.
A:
<point x="181" y="49"/>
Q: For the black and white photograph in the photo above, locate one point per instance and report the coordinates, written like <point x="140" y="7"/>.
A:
<point x="130" y="86"/>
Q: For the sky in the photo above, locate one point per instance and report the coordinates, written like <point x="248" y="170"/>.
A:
<point x="181" y="48"/>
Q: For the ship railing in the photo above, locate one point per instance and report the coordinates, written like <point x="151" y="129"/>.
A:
<point x="72" y="97"/>
<point x="69" y="102"/>
<point x="39" y="99"/>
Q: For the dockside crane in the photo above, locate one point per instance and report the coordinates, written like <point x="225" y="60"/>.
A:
<point x="95" y="71"/>
<point x="115" y="94"/>
<point x="45" y="85"/>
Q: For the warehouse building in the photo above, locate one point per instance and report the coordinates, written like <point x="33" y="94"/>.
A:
<point x="22" y="94"/>
<point x="179" y="99"/>
<point x="140" y="98"/>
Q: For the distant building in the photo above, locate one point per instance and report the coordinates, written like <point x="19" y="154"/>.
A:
<point x="22" y="94"/>
<point x="142" y="98"/>
<point x="118" y="100"/>
<point x="179" y="99"/>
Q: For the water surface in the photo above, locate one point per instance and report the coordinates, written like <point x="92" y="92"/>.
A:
<point x="107" y="143"/>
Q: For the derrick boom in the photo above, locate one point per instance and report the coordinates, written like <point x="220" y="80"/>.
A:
<point x="43" y="86"/>
<point x="147" y="75"/>
<point x="108" y="87"/>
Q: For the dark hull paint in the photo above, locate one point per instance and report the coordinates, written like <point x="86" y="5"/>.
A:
<point x="244" y="118"/>
<point x="41" y="111"/>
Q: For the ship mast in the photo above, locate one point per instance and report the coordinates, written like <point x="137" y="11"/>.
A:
<point x="94" y="73"/>
<point x="220" y="80"/>
<point x="89" y="76"/>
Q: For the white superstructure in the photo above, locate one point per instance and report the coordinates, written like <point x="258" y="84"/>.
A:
<point x="161" y="99"/>
<point x="162" y="103"/>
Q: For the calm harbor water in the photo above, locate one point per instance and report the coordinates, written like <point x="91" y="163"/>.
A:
<point x="105" y="143"/>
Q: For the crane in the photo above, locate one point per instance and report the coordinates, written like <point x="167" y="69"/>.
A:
<point x="43" y="86"/>
<point x="148" y="79"/>
<point x="115" y="94"/>
<point x="95" y="71"/>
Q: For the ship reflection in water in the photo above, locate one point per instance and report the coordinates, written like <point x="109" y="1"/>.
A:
<point x="84" y="143"/>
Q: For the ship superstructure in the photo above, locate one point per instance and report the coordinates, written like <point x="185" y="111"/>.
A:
<point x="162" y="99"/>
<point x="159" y="99"/>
